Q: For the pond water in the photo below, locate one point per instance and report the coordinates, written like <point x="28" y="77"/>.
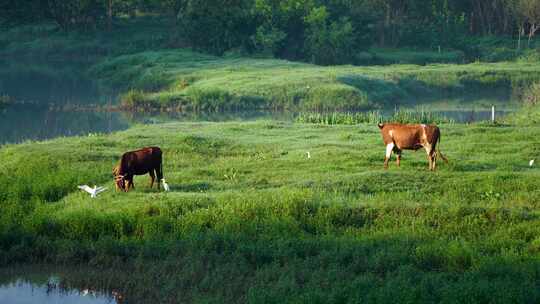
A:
<point x="28" y="122"/>
<point x="21" y="290"/>
<point x="57" y="284"/>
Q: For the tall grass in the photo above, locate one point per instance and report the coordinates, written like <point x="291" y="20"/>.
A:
<point x="339" y="118"/>
<point x="373" y="117"/>
<point x="418" y="116"/>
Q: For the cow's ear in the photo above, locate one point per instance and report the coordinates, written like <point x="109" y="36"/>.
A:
<point x="381" y="125"/>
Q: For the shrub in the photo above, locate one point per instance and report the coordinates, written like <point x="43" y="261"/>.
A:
<point x="152" y="81"/>
<point x="532" y="94"/>
<point x="501" y="54"/>
<point x="134" y="99"/>
<point x="421" y="57"/>
<point x="4" y="100"/>
<point x="336" y="96"/>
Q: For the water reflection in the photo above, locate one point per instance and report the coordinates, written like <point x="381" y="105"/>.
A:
<point x="161" y="117"/>
<point x="54" y="290"/>
<point x="19" y="123"/>
<point x="26" y="122"/>
<point x="459" y="116"/>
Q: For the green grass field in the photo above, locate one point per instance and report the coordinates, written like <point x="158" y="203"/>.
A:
<point x="251" y="219"/>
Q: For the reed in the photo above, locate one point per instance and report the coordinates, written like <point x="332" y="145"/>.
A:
<point x="373" y="117"/>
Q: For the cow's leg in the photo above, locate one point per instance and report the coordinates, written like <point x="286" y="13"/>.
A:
<point x="389" y="149"/>
<point x="429" y="151"/>
<point x="159" y="174"/>
<point x="398" y="154"/>
<point x="130" y="184"/>
<point x="433" y="159"/>
<point x="433" y="156"/>
<point x="158" y="181"/>
<point x="152" y="178"/>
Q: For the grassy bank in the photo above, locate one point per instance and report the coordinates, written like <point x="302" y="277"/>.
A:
<point x="146" y="59"/>
<point x="251" y="219"/>
<point x="186" y="80"/>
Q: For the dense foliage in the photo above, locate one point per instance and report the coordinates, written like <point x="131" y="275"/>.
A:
<point x="319" y="31"/>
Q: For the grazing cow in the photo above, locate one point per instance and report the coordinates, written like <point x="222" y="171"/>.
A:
<point x="139" y="162"/>
<point x="398" y="137"/>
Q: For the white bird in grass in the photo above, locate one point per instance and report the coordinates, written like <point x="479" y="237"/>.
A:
<point x="93" y="191"/>
<point x="165" y="185"/>
<point x="531" y="163"/>
<point x="308" y="154"/>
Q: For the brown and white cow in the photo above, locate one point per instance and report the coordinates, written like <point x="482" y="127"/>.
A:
<point x="398" y="137"/>
<point x="139" y="162"/>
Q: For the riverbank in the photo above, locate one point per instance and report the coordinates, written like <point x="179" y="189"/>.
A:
<point x="251" y="219"/>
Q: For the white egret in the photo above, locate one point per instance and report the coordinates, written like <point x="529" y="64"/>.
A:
<point x="165" y="185"/>
<point x="531" y="163"/>
<point x="308" y="154"/>
<point x="93" y="191"/>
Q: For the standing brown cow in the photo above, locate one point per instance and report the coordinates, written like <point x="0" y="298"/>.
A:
<point x="398" y="137"/>
<point x="139" y="162"/>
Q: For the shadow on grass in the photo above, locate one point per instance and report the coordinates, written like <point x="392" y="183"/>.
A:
<point x="472" y="167"/>
<point x="401" y="87"/>
<point x="191" y="187"/>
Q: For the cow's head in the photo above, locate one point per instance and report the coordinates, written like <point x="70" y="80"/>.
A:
<point x="381" y="125"/>
<point x="120" y="182"/>
<point x="116" y="170"/>
<point x="118" y="179"/>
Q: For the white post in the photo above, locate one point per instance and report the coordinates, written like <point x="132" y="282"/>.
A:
<point x="493" y="114"/>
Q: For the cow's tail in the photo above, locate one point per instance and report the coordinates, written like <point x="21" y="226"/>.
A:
<point x="439" y="154"/>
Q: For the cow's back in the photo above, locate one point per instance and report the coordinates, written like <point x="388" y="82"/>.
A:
<point x="141" y="161"/>
<point x="409" y="136"/>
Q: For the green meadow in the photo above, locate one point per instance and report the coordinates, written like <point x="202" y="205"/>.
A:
<point x="187" y="80"/>
<point x="251" y="219"/>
